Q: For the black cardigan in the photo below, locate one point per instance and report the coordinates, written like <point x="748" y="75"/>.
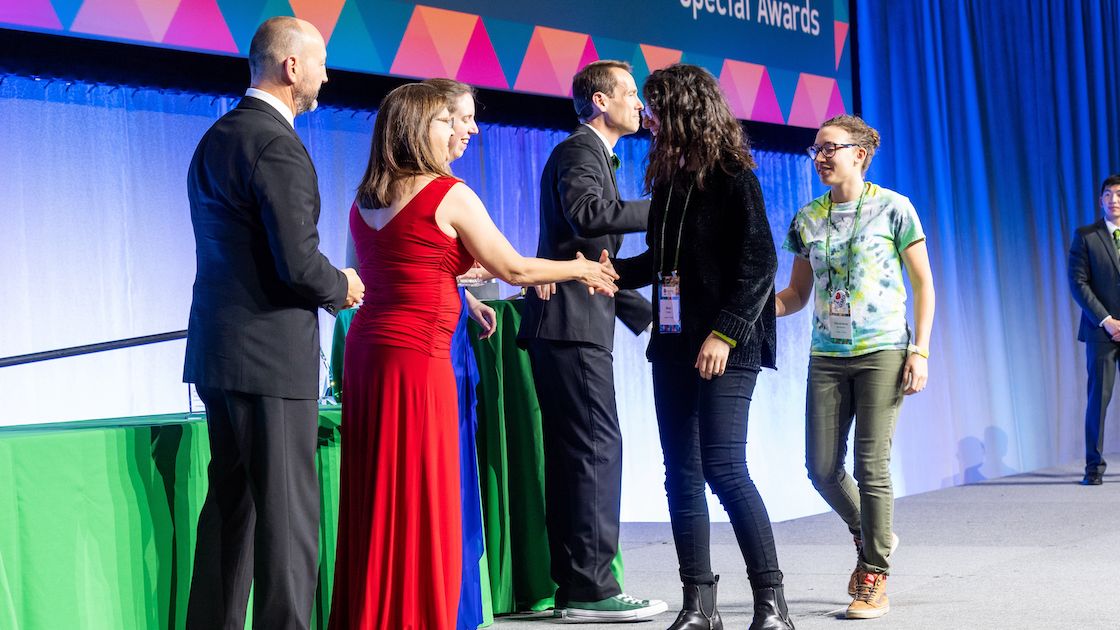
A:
<point x="726" y="269"/>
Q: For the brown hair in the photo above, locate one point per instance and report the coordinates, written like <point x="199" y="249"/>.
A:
<point x="696" y="125"/>
<point x="595" y="77"/>
<point x="401" y="147"/>
<point x="862" y="134"/>
<point x="451" y="90"/>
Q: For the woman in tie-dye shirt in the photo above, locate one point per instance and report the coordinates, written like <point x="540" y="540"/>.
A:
<point x="852" y="245"/>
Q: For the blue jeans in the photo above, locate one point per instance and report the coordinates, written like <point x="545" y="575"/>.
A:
<point x="703" y="427"/>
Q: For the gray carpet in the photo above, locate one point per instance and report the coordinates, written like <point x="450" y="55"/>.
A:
<point x="1034" y="550"/>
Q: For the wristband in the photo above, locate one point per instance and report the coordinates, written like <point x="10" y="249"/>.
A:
<point x="918" y="350"/>
<point x="729" y="340"/>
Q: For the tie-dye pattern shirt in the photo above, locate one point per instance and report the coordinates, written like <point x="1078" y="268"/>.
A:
<point x="888" y="224"/>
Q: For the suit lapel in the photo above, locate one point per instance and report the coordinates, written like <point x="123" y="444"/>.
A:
<point x="605" y="153"/>
<point x="1108" y="243"/>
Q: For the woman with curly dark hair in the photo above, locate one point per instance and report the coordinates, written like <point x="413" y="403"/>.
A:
<point x="711" y="258"/>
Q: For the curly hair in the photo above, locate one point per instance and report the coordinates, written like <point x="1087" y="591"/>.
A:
<point x="862" y="134"/>
<point x="697" y="128"/>
<point x="401" y="147"/>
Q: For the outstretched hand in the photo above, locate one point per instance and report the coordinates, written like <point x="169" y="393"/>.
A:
<point x="598" y="277"/>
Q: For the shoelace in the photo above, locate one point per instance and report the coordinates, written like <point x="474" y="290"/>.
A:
<point x="626" y="599"/>
<point x="864" y="590"/>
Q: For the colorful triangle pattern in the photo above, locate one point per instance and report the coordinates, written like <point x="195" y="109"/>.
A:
<point x="480" y="64"/>
<point x="199" y="24"/>
<point x="157" y="14"/>
<point x="36" y="13"/>
<point x="841" y="31"/>
<point x="322" y="13"/>
<point x="553" y="58"/>
<point x="350" y="47"/>
<point x="817" y="99"/>
<point x="118" y="19"/>
<point x="405" y="39"/>
<point x="434" y="43"/>
<point x="658" y="57"/>
<point x="749" y="91"/>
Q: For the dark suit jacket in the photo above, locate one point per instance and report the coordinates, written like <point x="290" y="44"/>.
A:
<point x="260" y="277"/>
<point x="1094" y="279"/>
<point x="581" y="211"/>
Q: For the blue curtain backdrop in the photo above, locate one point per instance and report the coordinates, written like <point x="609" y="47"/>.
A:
<point x="999" y="120"/>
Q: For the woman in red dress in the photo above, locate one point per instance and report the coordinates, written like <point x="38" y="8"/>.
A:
<point x="415" y="228"/>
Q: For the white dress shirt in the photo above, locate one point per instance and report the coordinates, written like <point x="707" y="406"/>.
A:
<point x="276" y="104"/>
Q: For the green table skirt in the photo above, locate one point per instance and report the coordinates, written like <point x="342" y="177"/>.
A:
<point x="97" y="521"/>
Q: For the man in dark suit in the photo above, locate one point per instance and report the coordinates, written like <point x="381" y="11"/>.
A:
<point x="253" y="340"/>
<point x="569" y="334"/>
<point x="1094" y="280"/>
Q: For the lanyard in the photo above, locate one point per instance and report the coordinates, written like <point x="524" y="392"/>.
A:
<point x="680" y="231"/>
<point x="828" y="240"/>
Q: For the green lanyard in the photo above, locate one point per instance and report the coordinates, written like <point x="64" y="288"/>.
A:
<point x="828" y="240"/>
<point x="664" y="226"/>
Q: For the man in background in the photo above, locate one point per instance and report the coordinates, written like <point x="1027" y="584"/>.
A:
<point x="1094" y="280"/>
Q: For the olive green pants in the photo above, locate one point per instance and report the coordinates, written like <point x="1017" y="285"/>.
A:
<point x="866" y="389"/>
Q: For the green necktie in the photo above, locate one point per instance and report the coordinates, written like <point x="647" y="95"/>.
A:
<point x="615" y="163"/>
<point x="1116" y="238"/>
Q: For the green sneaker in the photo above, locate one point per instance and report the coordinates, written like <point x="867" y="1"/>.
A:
<point x="621" y="607"/>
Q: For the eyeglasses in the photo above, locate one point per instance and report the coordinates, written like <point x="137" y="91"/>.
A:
<point x="828" y="149"/>
<point x="450" y="122"/>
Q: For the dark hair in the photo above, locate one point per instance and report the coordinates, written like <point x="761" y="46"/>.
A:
<point x="862" y="134"/>
<point x="1111" y="180"/>
<point x="276" y="39"/>
<point x="595" y="77"/>
<point x="696" y="125"/>
<point x="451" y="90"/>
<point x="400" y="146"/>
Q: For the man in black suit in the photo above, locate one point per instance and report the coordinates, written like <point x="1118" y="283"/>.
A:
<point x="569" y="334"/>
<point x="253" y="340"/>
<point x="1094" y="280"/>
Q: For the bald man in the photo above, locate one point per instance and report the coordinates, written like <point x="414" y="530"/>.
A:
<point x="253" y="340"/>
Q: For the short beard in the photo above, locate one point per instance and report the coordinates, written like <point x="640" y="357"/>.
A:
<point x="305" y="101"/>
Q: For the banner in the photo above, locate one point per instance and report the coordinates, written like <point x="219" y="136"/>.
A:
<point x="778" y="62"/>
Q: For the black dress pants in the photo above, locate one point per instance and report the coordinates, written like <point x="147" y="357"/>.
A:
<point x="259" y="526"/>
<point x="703" y="426"/>
<point x="583" y="466"/>
<point x="1101" y="360"/>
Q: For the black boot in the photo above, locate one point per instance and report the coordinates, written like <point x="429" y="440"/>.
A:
<point x="770" y="612"/>
<point x="699" y="610"/>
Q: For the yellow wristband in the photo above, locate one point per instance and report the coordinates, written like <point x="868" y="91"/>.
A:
<point x="729" y="340"/>
<point x="923" y="352"/>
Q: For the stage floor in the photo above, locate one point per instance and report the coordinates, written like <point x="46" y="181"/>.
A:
<point x="1034" y="550"/>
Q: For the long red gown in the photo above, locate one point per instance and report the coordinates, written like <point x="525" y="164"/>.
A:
<point x="399" y="555"/>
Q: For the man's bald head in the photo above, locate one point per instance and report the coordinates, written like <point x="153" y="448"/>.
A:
<point x="277" y="39"/>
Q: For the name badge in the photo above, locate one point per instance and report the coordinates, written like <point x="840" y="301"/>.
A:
<point x="840" y="317"/>
<point x="669" y="304"/>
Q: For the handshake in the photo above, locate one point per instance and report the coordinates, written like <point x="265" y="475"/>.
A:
<point x="598" y="276"/>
